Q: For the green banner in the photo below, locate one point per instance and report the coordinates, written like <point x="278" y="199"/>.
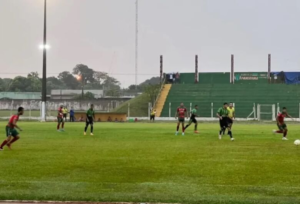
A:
<point x="250" y="77"/>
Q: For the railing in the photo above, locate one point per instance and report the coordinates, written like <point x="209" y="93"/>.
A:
<point x="158" y="95"/>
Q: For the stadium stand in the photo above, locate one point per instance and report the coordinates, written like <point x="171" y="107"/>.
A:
<point x="243" y="95"/>
<point x="162" y="99"/>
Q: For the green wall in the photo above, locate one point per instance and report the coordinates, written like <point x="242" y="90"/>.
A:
<point x="243" y="95"/>
<point x="224" y="78"/>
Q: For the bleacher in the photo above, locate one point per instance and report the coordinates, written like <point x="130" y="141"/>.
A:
<point x="243" y="95"/>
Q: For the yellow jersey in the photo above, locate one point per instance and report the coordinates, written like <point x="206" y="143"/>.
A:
<point x="65" y="111"/>
<point x="153" y="112"/>
<point x="230" y="112"/>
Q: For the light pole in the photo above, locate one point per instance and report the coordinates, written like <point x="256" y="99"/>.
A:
<point x="81" y="79"/>
<point x="136" y="41"/>
<point x="44" y="80"/>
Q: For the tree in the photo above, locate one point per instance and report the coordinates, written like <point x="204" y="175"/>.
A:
<point x="111" y="86"/>
<point x="35" y="83"/>
<point x="2" y="88"/>
<point x="142" y="86"/>
<point x="86" y="73"/>
<point x="33" y="75"/>
<point x="152" y="91"/>
<point x="100" y="76"/>
<point x="89" y="95"/>
<point x="20" y="84"/>
<point x="54" y="83"/>
<point x="68" y="80"/>
<point x="6" y="82"/>
<point x="152" y="81"/>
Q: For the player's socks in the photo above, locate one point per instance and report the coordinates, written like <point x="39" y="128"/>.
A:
<point x="285" y="133"/>
<point x="3" y="144"/>
<point x="186" y="127"/>
<point x="196" y="127"/>
<point x="230" y="134"/>
<point x="92" y="128"/>
<point x="177" y="128"/>
<point x="85" y="128"/>
<point x="183" y="129"/>
<point x="58" y="126"/>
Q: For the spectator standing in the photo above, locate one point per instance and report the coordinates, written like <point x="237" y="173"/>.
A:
<point x="174" y="77"/>
<point x="171" y="78"/>
<point x="177" y="78"/>
<point x="72" y="113"/>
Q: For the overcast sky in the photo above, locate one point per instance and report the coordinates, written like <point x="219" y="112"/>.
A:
<point x="101" y="34"/>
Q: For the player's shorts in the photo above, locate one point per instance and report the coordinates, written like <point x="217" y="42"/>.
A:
<point x="224" y="122"/>
<point x="193" y="120"/>
<point x="90" y="120"/>
<point x="152" y="117"/>
<point x="181" y="120"/>
<point x="64" y="115"/>
<point x="282" y="127"/>
<point x="60" y="120"/>
<point x="11" y="132"/>
<point x="229" y="121"/>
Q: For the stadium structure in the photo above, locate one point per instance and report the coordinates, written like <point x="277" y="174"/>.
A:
<point x="256" y="95"/>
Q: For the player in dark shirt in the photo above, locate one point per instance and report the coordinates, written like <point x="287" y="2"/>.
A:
<point x="90" y="117"/>
<point x="222" y="114"/>
<point x="193" y="119"/>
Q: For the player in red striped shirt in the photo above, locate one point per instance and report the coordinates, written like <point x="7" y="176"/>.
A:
<point x="181" y="113"/>
<point x="281" y="124"/>
<point x="11" y="132"/>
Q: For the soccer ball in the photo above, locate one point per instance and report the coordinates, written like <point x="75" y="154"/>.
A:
<point x="297" y="142"/>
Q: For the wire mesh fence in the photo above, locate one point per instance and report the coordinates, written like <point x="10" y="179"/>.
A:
<point x="33" y="107"/>
<point x="143" y="110"/>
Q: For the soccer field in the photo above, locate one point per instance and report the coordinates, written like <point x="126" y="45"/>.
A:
<point x="144" y="162"/>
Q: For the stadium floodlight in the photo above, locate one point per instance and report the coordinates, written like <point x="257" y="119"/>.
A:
<point x="47" y="47"/>
<point x="44" y="78"/>
<point x="78" y="77"/>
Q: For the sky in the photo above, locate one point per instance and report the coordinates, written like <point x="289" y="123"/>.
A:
<point x="101" y="34"/>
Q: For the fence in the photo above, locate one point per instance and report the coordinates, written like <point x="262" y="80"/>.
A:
<point x="33" y="107"/>
<point x="206" y="111"/>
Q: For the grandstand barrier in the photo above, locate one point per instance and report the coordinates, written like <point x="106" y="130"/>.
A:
<point x="207" y="112"/>
<point x="200" y="119"/>
<point x="102" y="117"/>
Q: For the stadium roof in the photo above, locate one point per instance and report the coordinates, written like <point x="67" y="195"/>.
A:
<point x="74" y="92"/>
<point x="20" y="95"/>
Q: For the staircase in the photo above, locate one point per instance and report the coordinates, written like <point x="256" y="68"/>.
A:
<point x="162" y="99"/>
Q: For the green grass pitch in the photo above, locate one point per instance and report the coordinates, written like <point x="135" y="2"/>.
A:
<point x="144" y="162"/>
